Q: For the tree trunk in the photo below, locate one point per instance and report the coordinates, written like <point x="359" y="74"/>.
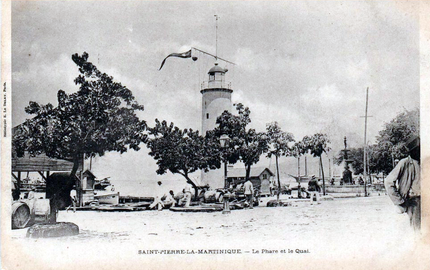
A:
<point x="248" y="171"/>
<point x="322" y="174"/>
<point x="279" y="181"/>
<point x="299" y="188"/>
<point x="72" y="176"/>
<point x="196" y="191"/>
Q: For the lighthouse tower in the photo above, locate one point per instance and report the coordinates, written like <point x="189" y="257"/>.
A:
<point x="216" y="98"/>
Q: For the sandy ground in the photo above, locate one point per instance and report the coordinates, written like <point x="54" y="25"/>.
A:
<point x="357" y="232"/>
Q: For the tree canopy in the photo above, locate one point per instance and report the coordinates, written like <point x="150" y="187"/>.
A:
<point x="182" y="151"/>
<point x="99" y="117"/>
<point x="316" y="144"/>
<point x="279" y="142"/>
<point x="246" y="144"/>
<point x="392" y="139"/>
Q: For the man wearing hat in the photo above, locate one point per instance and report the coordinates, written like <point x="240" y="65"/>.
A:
<point x="314" y="189"/>
<point x="403" y="184"/>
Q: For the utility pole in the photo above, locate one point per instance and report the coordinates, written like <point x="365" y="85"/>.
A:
<point x="365" y="144"/>
<point x="306" y="166"/>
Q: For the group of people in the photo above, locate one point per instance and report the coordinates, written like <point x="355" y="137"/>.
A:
<point x="342" y="182"/>
<point x="161" y="199"/>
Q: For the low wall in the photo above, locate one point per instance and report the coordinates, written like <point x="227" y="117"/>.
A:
<point x="345" y="189"/>
<point x="352" y="189"/>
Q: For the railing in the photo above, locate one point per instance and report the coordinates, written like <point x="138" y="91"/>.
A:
<point x="215" y="84"/>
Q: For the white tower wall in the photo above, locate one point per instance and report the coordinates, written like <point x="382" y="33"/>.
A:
<point x="214" y="103"/>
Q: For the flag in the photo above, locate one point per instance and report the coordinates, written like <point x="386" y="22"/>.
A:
<point x="181" y="55"/>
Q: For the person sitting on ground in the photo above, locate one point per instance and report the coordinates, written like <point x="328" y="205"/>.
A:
<point x="157" y="198"/>
<point x="32" y="194"/>
<point x="170" y="198"/>
<point x="239" y="187"/>
<point x="187" y="196"/>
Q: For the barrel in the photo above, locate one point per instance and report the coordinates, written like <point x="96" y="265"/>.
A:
<point x="20" y="215"/>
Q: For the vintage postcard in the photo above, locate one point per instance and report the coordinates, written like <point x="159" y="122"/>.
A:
<point x="215" y="134"/>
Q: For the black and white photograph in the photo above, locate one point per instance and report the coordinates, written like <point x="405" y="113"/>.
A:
<point x="215" y="134"/>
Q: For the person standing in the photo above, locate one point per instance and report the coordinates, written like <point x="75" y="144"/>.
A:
<point x="314" y="189"/>
<point x="249" y="193"/>
<point x="403" y="184"/>
<point x="73" y="198"/>
<point x="271" y="188"/>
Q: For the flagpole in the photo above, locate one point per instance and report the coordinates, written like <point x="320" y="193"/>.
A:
<point x="216" y="36"/>
<point x="213" y="55"/>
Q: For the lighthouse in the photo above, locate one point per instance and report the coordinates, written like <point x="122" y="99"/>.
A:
<point x="216" y="98"/>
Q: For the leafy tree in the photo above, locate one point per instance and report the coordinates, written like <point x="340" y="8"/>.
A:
<point x="182" y="151"/>
<point x="278" y="142"/>
<point x="297" y="150"/>
<point x="317" y="144"/>
<point x="99" y="117"/>
<point x="246" y="145"/>
<point x="391" y="142"/>
<point x="356" y="155"/>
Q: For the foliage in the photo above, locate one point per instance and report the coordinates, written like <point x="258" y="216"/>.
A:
<point x="391" y="142"/>
<point x="356" y="155"/>
<point x="298" y="149"/>
<point x="99" y="117"/>
<point x="278" y="141"/>
<point x="246" y="145"/>
<point x="182" y="151"/>
<point x="316" y="144"/>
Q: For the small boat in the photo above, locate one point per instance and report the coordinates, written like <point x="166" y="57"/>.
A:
<point x="108" y="198"/>
<point x="114" y="208"/>
<point x="102" y="184"/>
<point x="196" y="209"/>
<point x="265" y="198"/>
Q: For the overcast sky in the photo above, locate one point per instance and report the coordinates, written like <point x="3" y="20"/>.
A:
<point x="304" y="64"/>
